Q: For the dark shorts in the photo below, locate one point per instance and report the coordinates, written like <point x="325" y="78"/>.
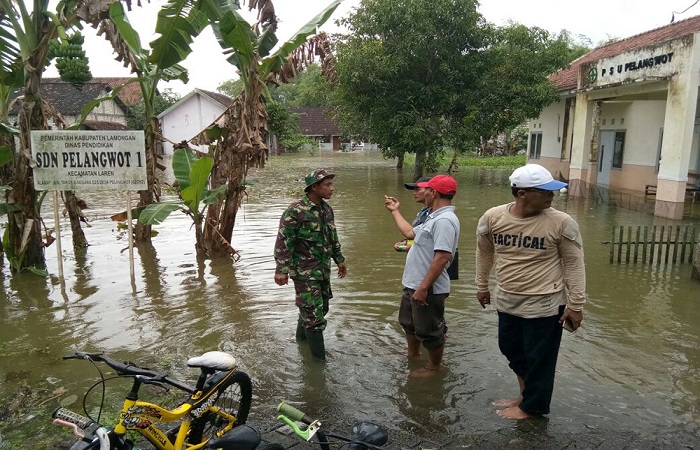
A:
<point x="312" y="297"/>
<point x="426" y="322"/>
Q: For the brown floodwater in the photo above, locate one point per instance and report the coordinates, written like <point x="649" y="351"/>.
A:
<point x="634" y="366"/>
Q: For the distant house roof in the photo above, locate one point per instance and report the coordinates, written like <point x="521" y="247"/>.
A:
<point x="130" y="94"/>
<point x="222" y="99"/>
<point x="567" y="79"/>
<point x="66" y="98"/>
<point x="315" y="122"/>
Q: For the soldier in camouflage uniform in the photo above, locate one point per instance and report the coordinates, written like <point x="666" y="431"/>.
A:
<point x="306" y="242"/>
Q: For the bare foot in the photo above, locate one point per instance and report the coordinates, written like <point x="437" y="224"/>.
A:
<point x="425" y="371"/>
<point x="410" y="355"/>
<point x="507" y="402"/>
<point x="513" y="412"/>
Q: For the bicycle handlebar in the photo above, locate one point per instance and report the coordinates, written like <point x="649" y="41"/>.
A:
<point x="130" y="369"/>
<point x="293" y="413"/>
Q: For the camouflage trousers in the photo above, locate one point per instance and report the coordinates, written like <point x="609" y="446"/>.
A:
<point x="312" y="298"/>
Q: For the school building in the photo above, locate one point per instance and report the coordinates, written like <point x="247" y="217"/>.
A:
<point x="627" y="119"/>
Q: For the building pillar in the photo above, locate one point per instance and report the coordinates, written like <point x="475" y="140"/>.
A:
<point x="580" y="169"/>
<point x="679" y="124"/>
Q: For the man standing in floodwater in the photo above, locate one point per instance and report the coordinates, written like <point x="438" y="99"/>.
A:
<point x="306" y="242"/>
<point x="540" y="284"/>
<point x="425" y="279"/>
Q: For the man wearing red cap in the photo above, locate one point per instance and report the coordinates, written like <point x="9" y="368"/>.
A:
<point x="425" y="279"/>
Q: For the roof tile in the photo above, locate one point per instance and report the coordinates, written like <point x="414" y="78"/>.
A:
<point x="314" y="121"/>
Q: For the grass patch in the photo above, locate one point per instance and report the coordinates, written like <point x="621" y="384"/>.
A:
<point x="471" y="160"/>
<point x="491" y="161"/>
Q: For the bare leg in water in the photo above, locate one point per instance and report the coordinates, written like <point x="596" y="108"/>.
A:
<point x="433" y="366"/>
<point x="511" y="407"/>
<point x="510" y="402"/>
<point x="413" y="344"/>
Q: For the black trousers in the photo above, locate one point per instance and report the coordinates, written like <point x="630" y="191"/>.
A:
<point x="532" y="348"/>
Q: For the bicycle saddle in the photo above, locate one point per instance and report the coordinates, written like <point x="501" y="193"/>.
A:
<point x="213" y="360"/>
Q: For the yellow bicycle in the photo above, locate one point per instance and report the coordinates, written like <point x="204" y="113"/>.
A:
<point x="212" y="416"/>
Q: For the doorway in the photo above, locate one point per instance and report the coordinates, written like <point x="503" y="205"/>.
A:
<point x="605" y="157"/>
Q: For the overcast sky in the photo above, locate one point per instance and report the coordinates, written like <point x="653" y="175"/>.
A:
<point x="598" y="20"/>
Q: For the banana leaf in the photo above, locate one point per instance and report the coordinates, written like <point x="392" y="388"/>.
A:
<point x="156" y="213"/>
<point x="182" y="167"/>
<point x="199" y="177"/>
<point x="237" y="39"/>
<point x="178" y="24"/>
<point x="6" y="208"/>
<point x="274" y="62"/>
<point x="6" y="128"/>
<point x="6" y="155"/>
<point x="212" y="197"/>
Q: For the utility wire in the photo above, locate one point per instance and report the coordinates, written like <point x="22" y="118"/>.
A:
<point x="673" y="13"/>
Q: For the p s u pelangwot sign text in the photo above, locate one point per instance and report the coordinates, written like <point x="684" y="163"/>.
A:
<point x="88" y="160"/>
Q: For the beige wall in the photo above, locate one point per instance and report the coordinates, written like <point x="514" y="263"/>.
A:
<point x="558" y="168"/>
<point x="632" y="177"/>
<point x="550" y="123"/>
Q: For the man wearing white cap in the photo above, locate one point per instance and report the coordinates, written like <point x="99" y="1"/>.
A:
<point x="540" y="284"/>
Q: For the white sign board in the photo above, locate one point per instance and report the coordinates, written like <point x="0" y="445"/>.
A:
<point x="648" y="63"/>
<point x="89" y="160"/>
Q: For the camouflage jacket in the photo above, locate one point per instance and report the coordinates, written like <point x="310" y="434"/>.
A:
<point x="307" y="240"/>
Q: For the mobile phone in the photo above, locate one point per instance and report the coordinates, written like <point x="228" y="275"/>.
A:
<point x="568" y="325"/>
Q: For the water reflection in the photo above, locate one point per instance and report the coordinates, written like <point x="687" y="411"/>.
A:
<point x="634" y="366"/>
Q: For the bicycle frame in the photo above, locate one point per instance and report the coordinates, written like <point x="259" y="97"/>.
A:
<point x="218" y="373"/>
<point x="141" y="416"/>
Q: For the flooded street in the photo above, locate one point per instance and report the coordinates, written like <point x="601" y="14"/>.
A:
<point x="634" y="367"/>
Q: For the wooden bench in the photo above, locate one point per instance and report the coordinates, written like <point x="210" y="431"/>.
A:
<point x="690" y="190"/>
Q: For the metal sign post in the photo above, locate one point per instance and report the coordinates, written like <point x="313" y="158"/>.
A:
<point x="57" y="224"/>
<point x="131" y="239"/>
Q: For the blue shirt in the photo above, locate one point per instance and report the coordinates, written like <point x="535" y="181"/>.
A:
<point x="440" y="232"/>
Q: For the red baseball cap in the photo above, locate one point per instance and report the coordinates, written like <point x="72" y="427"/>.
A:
<point x="444" y="184"/>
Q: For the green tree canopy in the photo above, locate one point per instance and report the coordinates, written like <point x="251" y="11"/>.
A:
<point x="417" y="76"/>
<point x="232" y="88"/>
<point x="309" y="88"/>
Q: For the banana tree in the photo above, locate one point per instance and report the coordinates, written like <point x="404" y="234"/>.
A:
<point x="192" y="175"/>
<point x="28" y="41"/>
<point x="178" y="23"/>
<point x="11" y="78"/>
<point x="239" y="134"/>
<point x="30" y="38"/>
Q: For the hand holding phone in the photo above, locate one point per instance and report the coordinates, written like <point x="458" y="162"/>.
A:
<point x="568" y="325"/>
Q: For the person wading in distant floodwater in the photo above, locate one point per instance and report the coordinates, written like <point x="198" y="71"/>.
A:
<point x="306" y="242"/>
<point x="540" y="284"/>
<point x="419" y="196"/>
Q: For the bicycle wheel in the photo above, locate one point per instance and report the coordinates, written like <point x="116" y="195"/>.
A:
<point x="233" y="397"/>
